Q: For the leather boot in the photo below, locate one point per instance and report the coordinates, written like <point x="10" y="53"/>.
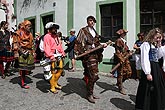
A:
<point x="96" y="97"/>
<point x="90" y="99"/>
<point x="23" y="84"/>
<point x="2" y="70"/>
<point x="122" y="91"/>
<point x="120" y="85"/>
<point x="3" y="76"/>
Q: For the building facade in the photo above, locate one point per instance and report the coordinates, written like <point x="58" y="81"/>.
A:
<point x="7" y="13"/>
<point x="133" y="15"/>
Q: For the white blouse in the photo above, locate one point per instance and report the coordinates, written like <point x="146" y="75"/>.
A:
<point x="93" y="33"/>
<point x="162" y="54"/>
<point x="145" y="63"/>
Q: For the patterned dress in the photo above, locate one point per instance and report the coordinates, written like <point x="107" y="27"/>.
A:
<point x="6" y="55"/>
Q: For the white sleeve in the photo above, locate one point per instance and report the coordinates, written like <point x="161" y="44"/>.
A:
<point x="161" y="51"/>
<point x="145" y="63"/>
<point x="163" y="64"/>
<point x="11" y="41"/>
<point x="41" y="45"/>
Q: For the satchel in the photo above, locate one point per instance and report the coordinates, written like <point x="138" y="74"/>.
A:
<point x="25" y="54"/>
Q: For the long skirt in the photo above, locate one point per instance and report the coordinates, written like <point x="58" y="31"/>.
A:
<point x="151" y="94"/>
<point x="26" y="63"/>
<point x="6" y="56"/>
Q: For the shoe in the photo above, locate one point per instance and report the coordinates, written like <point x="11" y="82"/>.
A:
<point x="30" y="72"/>
<point x="122" y="92"/>
<point x="58" y="87"/>
<point x="96" y="97"/>
<point x="58" y="84"/>
<point x="63" y="73"/>
<point x="111" y="75"/>
<point x="3" y="76"/>
<point x="25" y="86"/>
<point x="7" y="74"/>
<point x="54" y="92"/>
<point x="90" y="99"/>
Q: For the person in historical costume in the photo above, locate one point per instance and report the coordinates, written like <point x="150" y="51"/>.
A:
<point x="87" y="39"/>
<point x="23" y="47"/>
<point x="121" y="51"/>
<point x="151" y="89"/>
<point x="137" y="54"/>
<point x="15" y="45"/>
<point x="54" y="52"/>
<point x="6" y="54"/>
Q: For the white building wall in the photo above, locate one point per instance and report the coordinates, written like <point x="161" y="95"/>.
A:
<point x="34" y="9"/>
<point x="131" y="23"/>
<point x="82" y="9"/>
<point x="61" y="15"/>
<point x="11" y="21"/>
<point x="2" y="15"/>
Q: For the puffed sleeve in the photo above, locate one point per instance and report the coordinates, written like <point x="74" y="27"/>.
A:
<point x="161" y="51"/>
<point x="145" y="63"/>
<point x="47" y="47"/>
<point x="80" y="43"/>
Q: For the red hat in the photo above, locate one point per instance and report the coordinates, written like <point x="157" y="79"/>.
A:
<point x="121" y="31"/>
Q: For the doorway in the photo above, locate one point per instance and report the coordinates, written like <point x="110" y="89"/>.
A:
<point x="46" y="19"/>
<point x="32" y="30"/>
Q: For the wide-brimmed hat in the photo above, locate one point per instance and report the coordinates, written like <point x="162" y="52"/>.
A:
<point x="37" y="34"/>
<point x="121" y="31"/>
<point x="52" y="25"/>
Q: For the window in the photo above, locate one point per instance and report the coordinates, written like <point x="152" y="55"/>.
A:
<point x="111" y="20"/>
<point x="152" y="14"/>
<point x="32" y="30"/>
<point x="46" y="19"/>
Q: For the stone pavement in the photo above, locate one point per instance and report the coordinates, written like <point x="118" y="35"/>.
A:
<point x="71" y="97"/>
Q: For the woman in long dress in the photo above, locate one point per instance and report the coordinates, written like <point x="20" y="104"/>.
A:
<point x="6" y="55"/>
<point x="151" y="89"/>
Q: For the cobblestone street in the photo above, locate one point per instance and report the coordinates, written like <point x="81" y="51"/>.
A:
<point x="71" y="97"/>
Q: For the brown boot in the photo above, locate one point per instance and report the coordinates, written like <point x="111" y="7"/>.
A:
<point x="3" y="76"/>
<point x="96" y="97"/>
<point x="90" y="99"/>
<point x="122" y="91"/>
